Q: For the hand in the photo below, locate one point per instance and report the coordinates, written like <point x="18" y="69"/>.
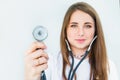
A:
<point x="35" y="61"/>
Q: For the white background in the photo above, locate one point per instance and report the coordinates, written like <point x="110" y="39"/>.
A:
<point x="19" y="17"/>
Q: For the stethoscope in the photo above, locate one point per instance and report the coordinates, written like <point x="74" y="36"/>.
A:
<point x="40" y="33"/>
<point x="72" y="71"/>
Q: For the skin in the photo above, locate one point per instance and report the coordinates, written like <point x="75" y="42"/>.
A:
<point x="80" y="32"/>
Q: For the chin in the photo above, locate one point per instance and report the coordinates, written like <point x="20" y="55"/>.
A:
<point x="82" y="47"/>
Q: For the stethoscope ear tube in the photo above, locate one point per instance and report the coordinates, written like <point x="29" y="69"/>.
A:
<point x="70" y="52"/>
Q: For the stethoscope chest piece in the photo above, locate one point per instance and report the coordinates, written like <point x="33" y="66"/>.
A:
<point x="40" y="33"/>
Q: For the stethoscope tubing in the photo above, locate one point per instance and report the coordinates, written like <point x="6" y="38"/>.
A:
<point x="72" y="73"/>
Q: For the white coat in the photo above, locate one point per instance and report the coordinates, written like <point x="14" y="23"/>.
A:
<point x="54" y="71"/>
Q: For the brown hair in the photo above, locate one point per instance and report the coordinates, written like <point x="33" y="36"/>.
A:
<point x="98" y="55"/>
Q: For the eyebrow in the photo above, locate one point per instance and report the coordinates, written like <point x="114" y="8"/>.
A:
<point x="88" y="23"/>
<point x="73" y="23"/>
<point x="85" y="23"/>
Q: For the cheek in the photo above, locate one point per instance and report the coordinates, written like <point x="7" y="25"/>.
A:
<point x="70" y="34"/>
<point x="90" y="34"/>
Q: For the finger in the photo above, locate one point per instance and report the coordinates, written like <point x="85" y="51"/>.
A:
<point x="41" y="68"/>
<point x="39" y="53"/>
<point x="34" y="46"/>
<point x="40" y="61"/>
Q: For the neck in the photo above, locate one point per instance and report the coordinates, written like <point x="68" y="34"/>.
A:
<point x="79" y="52"/>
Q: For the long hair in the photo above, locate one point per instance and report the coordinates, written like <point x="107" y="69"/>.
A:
<point x="98" y="55"/>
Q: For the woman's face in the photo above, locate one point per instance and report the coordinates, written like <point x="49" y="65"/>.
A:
<point x="80" y="30"/>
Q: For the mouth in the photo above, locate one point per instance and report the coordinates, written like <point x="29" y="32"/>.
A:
<point x="80" y="40"/>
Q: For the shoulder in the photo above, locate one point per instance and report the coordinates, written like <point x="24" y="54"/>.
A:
<point x="112" y="66"/>
<point x="112" y="73"/>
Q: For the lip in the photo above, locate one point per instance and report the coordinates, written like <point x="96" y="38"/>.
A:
<point x="80" y="40"/>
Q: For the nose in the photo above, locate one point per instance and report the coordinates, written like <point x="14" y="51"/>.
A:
<point x="80" y="31"/>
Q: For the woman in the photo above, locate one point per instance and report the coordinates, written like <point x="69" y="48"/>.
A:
<point x="81" y="24"/>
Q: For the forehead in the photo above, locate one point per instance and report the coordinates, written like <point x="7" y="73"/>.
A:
<point x="80" y="16"/>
